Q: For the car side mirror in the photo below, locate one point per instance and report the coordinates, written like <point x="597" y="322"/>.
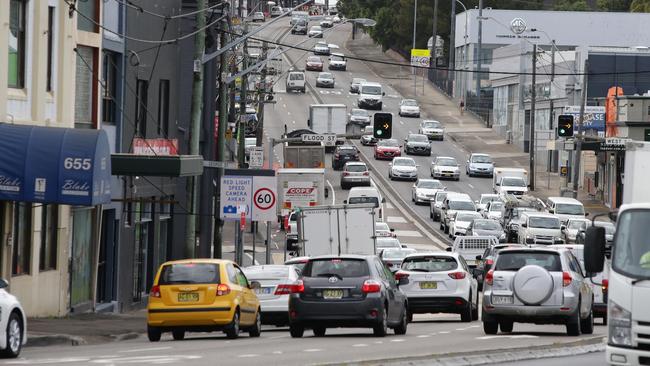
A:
<point x="345" y="202"/>
<point x="551" y="211"/>
<point x="594" y="249"/>
<point x="383" y="200"/>
<point x="417" y="165"/>
<point x="613" y="215"/>
<point x="563" y="228"/>
<point x="254" y="285"/>
<point x="524" y="225"/>
<point x="404" y="246"/>
<point x="327" y="192"/>
<point x="383" y="93"/>
<point x="448" y="249"/>
<point x="497" y="184"/>
<point x="586" y="214"/>
<point x="3" y="283"/>
<point x="392" y="230"/>
<point x="479" y="257"/>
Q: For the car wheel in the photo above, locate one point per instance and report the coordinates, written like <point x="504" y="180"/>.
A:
<point x="442" y="227"/>
<point x="256" y="329"/>
<point x="381" y="328"/>
<point x="401" y="328"/>
<point x="153" y="333"/>
<point x="446" y="229"/>
<point x="475" y="310"/>
<point x="319" y="331"/>
<point x="232" y="332"/>
<point x="506" y="326"/>
<point x="431" y="215"/>
<point x="587" y="326"/>
<point x="296" y="330"/>
<point x="436" y="217"/>
<point x="604" y="319"/>
<point x="490" y="326"/>
<point x="14" y="336"/>
<point x="573" y="325"/>
<point x="178" y="334"/>
<point x="466" y="314"/>
<point x="413" y="198"/>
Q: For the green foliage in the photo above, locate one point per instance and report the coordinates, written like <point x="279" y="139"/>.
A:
<point x="571" y="5"/>
<point x="640" y="6"/>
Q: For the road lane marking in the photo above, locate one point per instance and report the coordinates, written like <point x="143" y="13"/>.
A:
<point x="396" y="219"/>
<point x="333" y="193"/>
<point x="470" y="185"/>
<point x="360" y="345"/>
<point x="312" y="350"/>
<point x="284" y="105"/>
<point x="248" y="355"/>
<point x="277" y="352"/>
<point x="424" y="336"/>
<point x="397" y="340"/>
<point x="409" y="233"/>
<point x="144" y="349"/>
<point x="519" y="336"/>
<point x="389" y="205"/>
<point x="294" y="122"/>
<point x="444" y="332"/>
<point x="401" y="123"/>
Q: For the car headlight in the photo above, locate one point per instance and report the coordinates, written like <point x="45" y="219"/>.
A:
<point x="529" y="237"/>
<point x="620" y="325"/>
<point x="503" y="236"/>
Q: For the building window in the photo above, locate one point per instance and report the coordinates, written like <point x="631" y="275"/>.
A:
<point x="163" y="108"/>
<point x="50" y="46"/>
<point x="165" y="227"/>
<point x="49" y="243"/>
<point x="88" y="16"/>
<point x="143" y="225"/>
<point x="141" y="93"/>
<point x="17" y="43"/>
<point x="85" y="91"/>
<point x="109" y="85"/>
<point x="22" y="250"/>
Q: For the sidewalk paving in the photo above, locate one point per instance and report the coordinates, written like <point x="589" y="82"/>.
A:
<point x="466" y="130"/>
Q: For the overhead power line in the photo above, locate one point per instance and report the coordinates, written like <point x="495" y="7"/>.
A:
<point x="132" y="5"/>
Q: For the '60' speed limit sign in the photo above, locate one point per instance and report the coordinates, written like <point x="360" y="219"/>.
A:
<point x="264" y="198"/>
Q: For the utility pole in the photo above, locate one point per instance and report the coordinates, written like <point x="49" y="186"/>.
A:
<point x="550" y="110"/>
<point x="221" y="143"/>
<point x="241" y="131"/>
<point x="452" y="49"/>
<point x="478" y="59"/>
<point x="415" y="28"/>
<point x="434" y="31"/>
<point x="579" y="138"/>
<point x="533" y="96"/>
<point x="259" y="133"/>
<point x="195" y="129"/>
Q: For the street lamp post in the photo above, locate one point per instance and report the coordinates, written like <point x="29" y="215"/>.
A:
<point x="415" y="27"/>
<point x="464" y="60"/>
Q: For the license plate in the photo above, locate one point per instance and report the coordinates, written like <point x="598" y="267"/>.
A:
<point x="500" y="300"/>
<point x="332" y="294"/>
<point x="188" y="297"/>
<point x="429" y="285"/>
<point x="263" y="290"/>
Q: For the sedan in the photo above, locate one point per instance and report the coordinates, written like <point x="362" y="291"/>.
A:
<point x="393" y="257"/>
<point x="493" y="210"/>
<point x="355" y="173"/>
<point x="315" y="32"/>
<point x="403" y="168"/>
<point x="382" y="230"/>
<point x="321" y="48"/>
<point x="610" y="230"/>
<point x="485" y="198"/>
<point x="445" y="167"/>
<point x="438" y="282"/>
<point x="368" y="137"/>
<point x="354" y="85"/>
<point x="337" y="62"/>
<point x="359" y="116"/>
<point x="314" y="63"/>
<point x="432" y="129"/>
<point x="327" y="22"/>
<point x="387" y="149"/>
<point x="409" y="108"/>
<point x="424" y="190"/>
<point x="343" y="154"/>
<point x="461" y="221"/>
<point x="14" y="321"/>
<point x="486" y="227"/>
<point x="417" y="144"/>
<point x="386" y="243"/>
<point x="273" y="293"/>
<point x="258" y="16"/>
<point x="573" y="227"/>
<point x="325" y="80"/>
<point x="480" y="165"/>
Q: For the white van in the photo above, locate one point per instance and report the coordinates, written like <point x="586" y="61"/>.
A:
<point x="566" y="208"/>
<point x="367" y="195"/>
<point x="276" y="11"/>
<point x="296" y="81"/>
<point x="370" y="96"/>
<point x="510" y="181"/>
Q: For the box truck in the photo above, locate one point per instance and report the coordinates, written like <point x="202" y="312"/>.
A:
<point x="510" y="181"/>
<point x="303" y="156"/>
<point x="328" y="119"/>
<point x="299" y="188"/>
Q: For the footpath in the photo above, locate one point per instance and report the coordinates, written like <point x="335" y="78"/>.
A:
<point x="466" y="130"/>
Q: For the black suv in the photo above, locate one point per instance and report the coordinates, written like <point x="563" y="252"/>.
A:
<point x="348" y="291"/>
<point x="343" y="154"/>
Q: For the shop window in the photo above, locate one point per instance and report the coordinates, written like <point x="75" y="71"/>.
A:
<point x="17" y="29"/>
<point x="85" y="90"/>
<point x="109" y="87"/>
<point x="49" y="242"/>
<point x="163" y="108"/>
<point x="22" y="250"/>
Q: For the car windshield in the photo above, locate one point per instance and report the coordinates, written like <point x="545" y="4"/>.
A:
<point x="609" y="227"/>
<point x="481" y="159"/>
<point x="296" y="76"/>
<point x="430" y="264"/>
<point x="189" y="273"/>
<point x="513" y="261"/>
<point x="544" y="222"/>
<point x="429" y="184"/>
<point x="396" y="253"/>
<point x="486" y="199"/>
<point x="381" y="226"/>
<point x="267" y="272"/>
<point x="467" y="217"/>
<point x="356" y="168"/>
<point x="576" y="224"/>
<point x="316" y="28"/>
<point x="486" y="225"/>
<point x="513" y="182"/>
<point x="441" y="196"/>
<point x="347" y="151"/>
<point x="388" y="143"/>
<point x="462" y="205"/>
<point x="362" y="199"/>
<point x="496" y="206"/>
<point x="403" y="162"/>
<point x="431" y="124"/>
<point x="336" y="267"/>
<point x="631" y="252"/>
<point x="337" y="58"/>
<point x="313" y="59"/>
<point x="410" y="103"/>
<point x="447" y="162"/>
<point x="371" y="89"/>
<point x="569" y="209"/>
<point x="325" y="75"/>
<point x="418" y="138"/>
<point x="388" y="243"/>
<point x="359" y="112"/>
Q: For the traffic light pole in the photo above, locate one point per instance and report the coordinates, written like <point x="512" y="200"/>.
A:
<point x="531" y="147"/>
<point x="578" y="151"/>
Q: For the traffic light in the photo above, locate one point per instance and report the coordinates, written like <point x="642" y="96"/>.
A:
<point x="565" y="125"/>
<point x="383" y="125"/>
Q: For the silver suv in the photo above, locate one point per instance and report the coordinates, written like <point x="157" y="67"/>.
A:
<point x="537" y="285"/>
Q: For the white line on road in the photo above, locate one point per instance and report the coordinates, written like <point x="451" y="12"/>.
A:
<point x="397" y="340"/>
<point x="333" y="193"/>
<point x="401" y="123"/>
<point x="313" y="350"/>
<point x="424" y="336"/>
<point x="248" y="355"/>
<point x="284" y="105"/>
<point x="470" y="186"/>
<point x="444" y="332"/>
<point x="360" y="345"/>
<point x="277" y="352"/>
<point x="294" y="122"/>
<point x="396" y="219"/>
<point x="521" y="336"/>
<point x="144" y="349"/>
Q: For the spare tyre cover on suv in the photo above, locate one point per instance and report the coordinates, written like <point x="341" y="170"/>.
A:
<point x="532" y="285"/>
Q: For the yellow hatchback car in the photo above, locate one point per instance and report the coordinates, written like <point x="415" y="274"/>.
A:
<point x="202" y="295"/>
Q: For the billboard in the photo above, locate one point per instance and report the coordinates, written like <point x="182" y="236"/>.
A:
<point x="594" y="118"/>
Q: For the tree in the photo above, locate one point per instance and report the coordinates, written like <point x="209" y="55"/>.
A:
<point x="571" y="5"/>
<point x="640" y="6"/>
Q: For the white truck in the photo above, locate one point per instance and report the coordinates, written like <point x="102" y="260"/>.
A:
<point x="299" y="188"/>
<point x="303" y="156"/>
<point x="469" y="247"/>
<point x="328" y="119"/>
<point x="510" y="181"/>
<point x="337" y="229"/>
<point x="628" y="287"/>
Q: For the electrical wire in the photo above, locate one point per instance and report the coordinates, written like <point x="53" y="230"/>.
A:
<point x="139" y="8"/>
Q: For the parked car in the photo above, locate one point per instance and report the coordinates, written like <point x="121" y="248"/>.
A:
<point x="382" y="230"/>
<point x="537" y="285"/>
<point x="368" y="138"/>
<point x="445" y="167"/>
<point x="318" y="301"/>
<point x="479" y="165"/>
<point x="432" y="129"/>
<point x="417" y="144"/>
<point x="325" y="80"/>
<point x="572" y="227"/>
<point x="387" y="149"/>
<point x="273" y="293"/>
<point x="486" y="227"/>
<point x="409" y="108"/>
<point x="343" y="154"/>
<point x="13" y="322"/>
<point x="314" y="63"/>
<point x="540" y="228"/>
<point x="439" y="282"/>
<point x="459" y="222"/>
<point x="493" y="210"/>
<point x="337" y="61"/>
<point x="359" y="116"/>
<point x="435" y="208"/>
<point x="424" y="190"/>
<point x="610" y="230"/>
<point x="403" y="168"/>
<point x="185" y="292"/>
<point x="486" y="198"/>
<point x="321" y="48"/>
<point x="296" y="81"/>
<point x="355" y="174"/>
<point x="393" y="257"/>
<point x="485" y="261"/>
<point x="354" y="85"/>
<point x="315" y="32"/>
<point x="258" y="16"/>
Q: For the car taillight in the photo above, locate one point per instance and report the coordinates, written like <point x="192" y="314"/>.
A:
<point x="489" y="263"/>
<point x="298" y="287"/>
<point x="223" y="289"/>
<point x="155" y="291"/>
<point x="286" y="222"/>
<point x="457" y="275"/>
<point x="345" y="174"/>
<point x="489" y="277"/>
<point x="370" y="286"/>
<point x="337" y="155"/>
<point x="400" y="275"/>
<point x="605" y="285"/>
<point x="566" y="279"/>
<point x="283" y="290"/>
<point x="366" y="173"/>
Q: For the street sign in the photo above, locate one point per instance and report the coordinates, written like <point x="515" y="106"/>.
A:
<point x="420" y="57"/>
<point x="242" y="221"/>
<point x="564" y="171"/>
<point x="614" y="144"/>
<point x="256" y="157"/>
<point x="248" y="191"/>
<point x="328" y="139"/>
<point x="213" y="164"/>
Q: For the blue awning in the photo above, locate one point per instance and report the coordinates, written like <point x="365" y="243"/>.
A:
<point x="54" y="165"/>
